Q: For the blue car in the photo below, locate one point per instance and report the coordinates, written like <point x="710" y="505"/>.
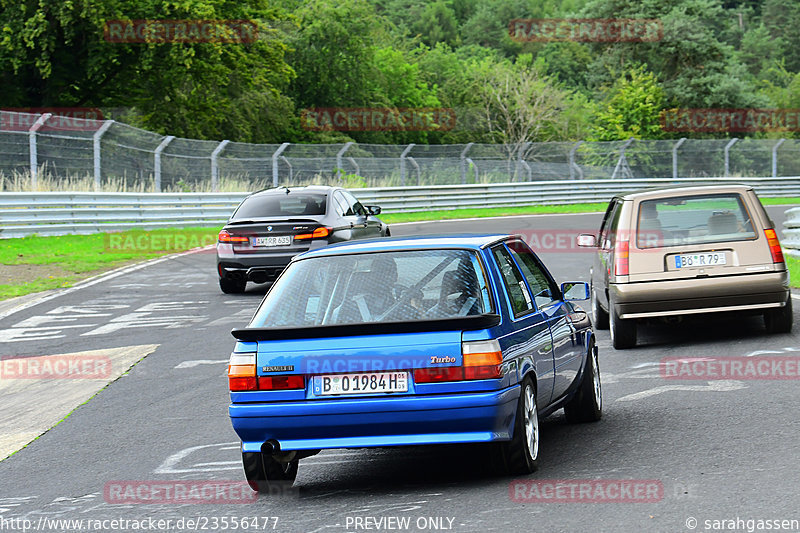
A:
<point x="410" y="341"/>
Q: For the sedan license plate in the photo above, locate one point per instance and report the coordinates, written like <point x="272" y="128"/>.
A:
<point x="284" y="240"/>
<point x="366" y="383"/>
<point x="700" y="260"/>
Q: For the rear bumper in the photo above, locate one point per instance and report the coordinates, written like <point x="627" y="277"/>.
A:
<point x="371" y="422"/>
<point x="747" y="292"/>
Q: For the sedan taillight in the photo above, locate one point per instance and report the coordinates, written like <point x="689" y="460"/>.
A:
<point x="319" y="233"/>
<point x="480" y="360"/>
<point x="226" y="237"/>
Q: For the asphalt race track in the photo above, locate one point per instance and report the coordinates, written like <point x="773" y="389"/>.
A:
<point x="716" y="449"/>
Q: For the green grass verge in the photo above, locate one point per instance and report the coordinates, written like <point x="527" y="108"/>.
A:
<point x="34" y="263"/>
<point x="793" y="264"/>
<point x="394" y="218"/>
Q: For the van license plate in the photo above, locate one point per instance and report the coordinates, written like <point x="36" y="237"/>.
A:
<point x="700" y="260"/>
<point x="366" y="383"/>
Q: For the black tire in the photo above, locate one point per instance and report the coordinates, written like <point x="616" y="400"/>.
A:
<point x="599" y="315"/>
<point x="780" y="320"/>
<point x="266" y="475"/>
<point x="388" y="233"/>
<point x="623" y="332"/>
<point x="587" y="404"/>
<point x="232" y="286"/>
<point x="520" y="455"/>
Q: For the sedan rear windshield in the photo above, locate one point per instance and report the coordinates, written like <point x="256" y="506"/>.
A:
<point x="693" y="220"/>
<point x="281" y="205"/>
<point x="388" y="286"/>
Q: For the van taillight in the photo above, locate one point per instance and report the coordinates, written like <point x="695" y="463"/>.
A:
<point x="480" y="360"/>
<point x="621" y="253"/>
<point x="774" y="246"/>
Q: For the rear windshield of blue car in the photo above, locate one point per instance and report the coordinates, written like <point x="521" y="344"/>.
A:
<point x="388" y="286"/>
<point x="281" y="205"/>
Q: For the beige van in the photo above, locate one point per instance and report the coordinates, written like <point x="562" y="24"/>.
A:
<point x="680" y="251"/>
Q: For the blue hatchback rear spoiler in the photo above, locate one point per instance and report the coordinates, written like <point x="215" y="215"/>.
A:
<point x="465" y="323"/>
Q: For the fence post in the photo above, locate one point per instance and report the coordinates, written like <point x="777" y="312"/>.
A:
<point x="474" y="167"/>
<point x="622" y="163"/>
<point x="675" y="157"/>
<point x="291" y="173"/>
<point x="278" y="152"/>
<point x="521" y="160"/>
<point x="403" y="163"/>
<point x="34" y="160"/>
<point x="571" y="161"/>
<point x="416" y="167"/>
<point x="353" y="162"/>
<point x="96" y="149"/>
<point x="728" y="156"/>
<point x="775" y="157"/>
<point x="157" y="161"/>
<point x="464" y="162"/>
<point x="339" y="154"/>
<point x="215" y="165"/>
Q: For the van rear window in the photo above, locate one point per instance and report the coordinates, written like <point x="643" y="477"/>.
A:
<point x="684" y="220"/>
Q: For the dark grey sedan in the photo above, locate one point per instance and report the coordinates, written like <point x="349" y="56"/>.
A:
<point x="270" y="227"/>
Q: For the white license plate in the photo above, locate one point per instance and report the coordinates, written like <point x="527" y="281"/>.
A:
<point x="700" y="260"/>
<point x="285" y="240"/>
<point x="366" y="383"/>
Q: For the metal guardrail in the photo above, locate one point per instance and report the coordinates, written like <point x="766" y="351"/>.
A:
<point x="60" y="213"/>
<point x="791" y="232"/>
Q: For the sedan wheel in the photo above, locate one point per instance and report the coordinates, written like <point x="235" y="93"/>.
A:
<point x="587" y="404"/>
<point x="232" y="286"/>
<point x="266" y="475"/>
<point x="521" y="454"/>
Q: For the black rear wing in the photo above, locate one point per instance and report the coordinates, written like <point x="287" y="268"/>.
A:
<point x="466" y="323"/>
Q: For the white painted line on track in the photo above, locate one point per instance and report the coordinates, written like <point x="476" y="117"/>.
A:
<point x="99" y="279"/>
<point x="198" y="362"/>
<point x="714" y="386"/>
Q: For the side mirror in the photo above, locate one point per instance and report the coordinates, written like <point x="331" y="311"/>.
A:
<point x="575" y="290"/>
<point x="587" y="240"/>
<point x="373" y="209"/>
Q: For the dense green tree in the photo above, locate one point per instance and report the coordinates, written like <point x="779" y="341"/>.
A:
<point x="437" y="24"/>
<point x="53" y="53"/>
<point x="632" y="108"/>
